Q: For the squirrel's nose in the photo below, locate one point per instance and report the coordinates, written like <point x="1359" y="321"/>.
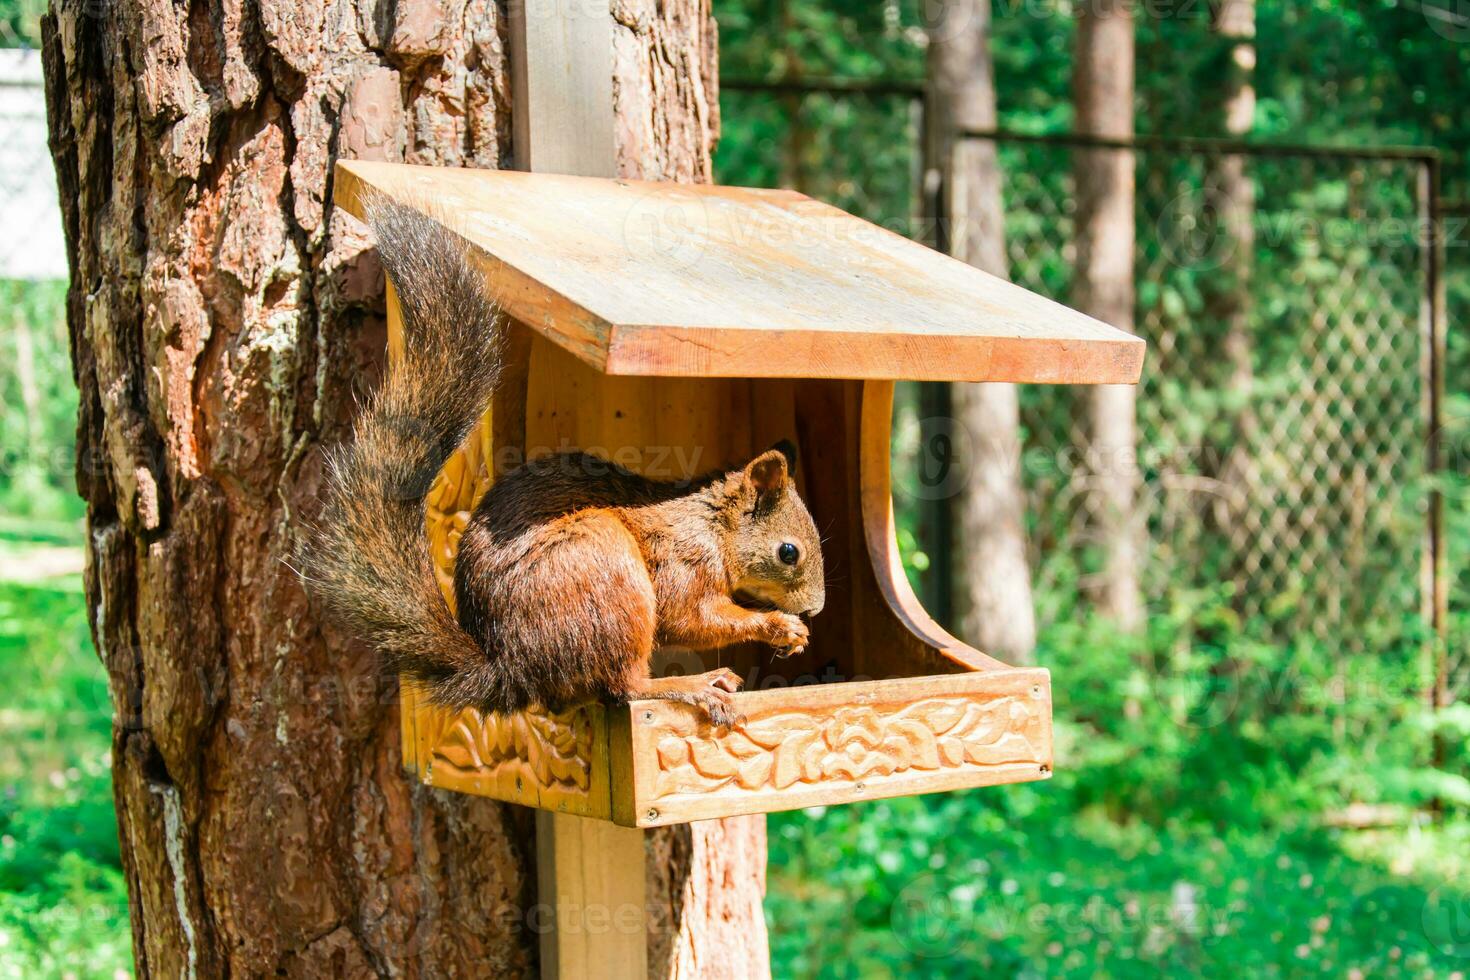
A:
<point x="811" y="611"/>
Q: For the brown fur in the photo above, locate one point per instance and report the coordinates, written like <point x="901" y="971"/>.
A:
<point x="572" y="570"/>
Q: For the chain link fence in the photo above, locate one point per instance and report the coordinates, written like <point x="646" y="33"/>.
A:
<point x="1285" y="412"/>
<point x="1456" y="451"/>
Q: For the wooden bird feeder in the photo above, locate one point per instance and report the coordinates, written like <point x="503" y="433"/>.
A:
<point x="673" y="329"/>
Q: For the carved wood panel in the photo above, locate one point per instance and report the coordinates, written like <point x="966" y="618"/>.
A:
<point x="452" y="499"/>
<point x="835" y="744"/>
<point x="783" y="749"/>
<point x="551" y="761"/>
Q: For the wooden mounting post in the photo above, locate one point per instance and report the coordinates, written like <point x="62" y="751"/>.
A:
<point x="591" y="874"/>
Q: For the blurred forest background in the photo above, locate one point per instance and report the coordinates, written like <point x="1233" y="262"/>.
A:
<point x="1268" y="774"/>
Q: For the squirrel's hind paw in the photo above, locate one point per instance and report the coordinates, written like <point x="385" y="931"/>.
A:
<point x="721" y="710"/>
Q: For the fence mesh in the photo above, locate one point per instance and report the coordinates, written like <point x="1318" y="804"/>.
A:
<point x="1456" y="442"/>
<point x="1294" y="473"/>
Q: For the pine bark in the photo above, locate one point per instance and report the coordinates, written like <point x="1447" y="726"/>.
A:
<point x="1103" y="287"/>
<point x="225" y="320"/>
<point x="990" y="575"/>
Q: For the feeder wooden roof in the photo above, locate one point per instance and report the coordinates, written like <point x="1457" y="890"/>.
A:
<point x="641" y="278"/>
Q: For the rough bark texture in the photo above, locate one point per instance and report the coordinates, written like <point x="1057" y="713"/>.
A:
<point x="665" y="89"/>
<point x="991" y="580"/>
<point x="705" y="882"/>
<point x="224" y="318"/>
<point x="1103" y="287"/>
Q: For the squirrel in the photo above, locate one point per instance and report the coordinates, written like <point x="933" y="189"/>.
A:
<point x="572" y="570"/>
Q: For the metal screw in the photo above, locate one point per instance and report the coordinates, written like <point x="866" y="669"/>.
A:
<point x="1036" y="690"/>
<point x="861" y="787"/>
<point x="652" y="813"/>
<point x="1045" y="770"/>
<point x="648" y="717"/>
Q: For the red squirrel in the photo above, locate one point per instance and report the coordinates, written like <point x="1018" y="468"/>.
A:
<point x="572" y="570"/>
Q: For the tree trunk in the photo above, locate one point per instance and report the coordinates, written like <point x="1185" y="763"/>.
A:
<point x="1103" y="287"/>
<point x="224" y="319"/>
<point x="991" y="580"/>
<point x="1232" y="196"/>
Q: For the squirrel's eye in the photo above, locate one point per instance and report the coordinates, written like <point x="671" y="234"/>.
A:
<point x="788" y="553"/>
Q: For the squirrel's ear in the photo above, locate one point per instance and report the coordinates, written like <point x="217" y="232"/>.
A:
<point x="787" y="448"/>
<point x="767" y="472"/>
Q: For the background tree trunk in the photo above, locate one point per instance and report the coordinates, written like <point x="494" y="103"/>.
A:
<point x="1233" y="200"/>
<point x="1103" y="287"/>
<point x="224" y="319"/>
<point x="991" y="580"/>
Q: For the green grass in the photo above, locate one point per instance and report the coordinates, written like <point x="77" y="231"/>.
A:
<point x="63" y="905"/>
<point x="1182" y="834"/>
<point x="972" y="884"/>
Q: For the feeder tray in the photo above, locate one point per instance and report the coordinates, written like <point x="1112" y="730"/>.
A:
<point x="676" y="328"/>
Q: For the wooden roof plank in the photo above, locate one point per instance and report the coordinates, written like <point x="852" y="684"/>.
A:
<point x="681" y="280"/>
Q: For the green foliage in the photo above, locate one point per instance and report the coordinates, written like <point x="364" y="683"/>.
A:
<point x="1017" y="884"/>
<point x="1181" y="833"/>
<point x="38" y="405"/>
<point x="1200" y="759"/>
<point x="20" y="23"/>
<point x="63" y="906"/>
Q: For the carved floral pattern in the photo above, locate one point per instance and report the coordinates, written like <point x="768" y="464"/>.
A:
<point x="851" y="743"/>
<point x="452" y="499"/>
<point x="544" y="750"/>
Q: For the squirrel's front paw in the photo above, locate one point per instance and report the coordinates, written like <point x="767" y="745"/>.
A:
<point x="787" y="633"/>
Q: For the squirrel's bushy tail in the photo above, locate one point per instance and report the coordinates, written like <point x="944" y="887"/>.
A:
<point x="368" y="558"/>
